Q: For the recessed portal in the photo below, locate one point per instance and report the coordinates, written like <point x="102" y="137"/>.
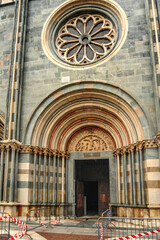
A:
<point x="91" y="198"/>
<point x="92" y="186"/>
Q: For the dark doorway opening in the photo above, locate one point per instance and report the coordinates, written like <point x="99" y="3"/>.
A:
<point x="92" y="186"/>
<point x="91" y="194"/>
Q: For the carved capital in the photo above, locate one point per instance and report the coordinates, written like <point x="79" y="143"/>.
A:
<point x="27" y="149"/>
<point x="35" y="149"/>
<point x="46" y="151"/>
<point x="152" y="143"/>
<point x="2" y="147"/>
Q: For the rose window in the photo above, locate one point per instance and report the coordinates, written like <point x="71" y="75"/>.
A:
<point x="85" y="39"/>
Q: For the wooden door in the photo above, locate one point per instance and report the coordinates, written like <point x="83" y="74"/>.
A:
<point x="80" y="198"/>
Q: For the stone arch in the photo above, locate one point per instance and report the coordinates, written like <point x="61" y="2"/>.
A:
<point x="78" y="105"/>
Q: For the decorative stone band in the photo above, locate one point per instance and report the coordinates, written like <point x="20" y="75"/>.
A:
<point x="19" y="147"/>
<point x="152" y="143"/>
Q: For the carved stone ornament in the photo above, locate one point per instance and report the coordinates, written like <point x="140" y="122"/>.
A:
<point x="91" y="140"/>
<point x="85" y="39"/>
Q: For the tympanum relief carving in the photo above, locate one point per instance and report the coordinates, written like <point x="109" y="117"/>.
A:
<point x="91" y="140"/>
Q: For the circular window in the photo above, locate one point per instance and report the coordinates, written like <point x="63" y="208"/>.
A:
<point x="80" y="34"/>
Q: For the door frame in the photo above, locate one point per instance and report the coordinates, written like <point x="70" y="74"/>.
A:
<point x="71" y="178"/>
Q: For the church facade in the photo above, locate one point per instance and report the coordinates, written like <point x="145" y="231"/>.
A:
<point x="79" y="107"/>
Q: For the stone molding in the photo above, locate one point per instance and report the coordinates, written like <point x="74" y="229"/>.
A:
<point x="19" y="147"/>
<point x="140" y="145"/>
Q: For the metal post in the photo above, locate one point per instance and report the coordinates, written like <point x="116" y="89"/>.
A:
<point x="12" y="174"/>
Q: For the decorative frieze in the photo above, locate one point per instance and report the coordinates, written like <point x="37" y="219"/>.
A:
<point x="140" y="145"/>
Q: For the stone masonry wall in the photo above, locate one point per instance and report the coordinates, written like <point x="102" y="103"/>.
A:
<point x="6" y="29"/>
<point x="131" y="68"/>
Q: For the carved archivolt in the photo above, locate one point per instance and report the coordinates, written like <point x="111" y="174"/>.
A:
<point x="91" y="140"/>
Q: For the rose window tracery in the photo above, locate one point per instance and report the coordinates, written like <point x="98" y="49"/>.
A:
<point x="85" y="39"/>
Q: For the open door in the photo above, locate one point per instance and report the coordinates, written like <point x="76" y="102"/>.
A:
<point x="80" y="198"/>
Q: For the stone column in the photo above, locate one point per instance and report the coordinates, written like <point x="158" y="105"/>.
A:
<point x="39" y="174"/>
<point x="12" y="174"/>
<point x="54" y="176"/>
<point x="49" y="176"/>
<point x="139" y="175"/>
<point x="131" y="175"/>
<point x="63" y="163"/>
<point x="6" y="173"/>
<point x="44" y="174"/>
<point x="16" y="175"/>
<point x="67" y="159"/>
<point x="125" y="176"/>
<point x="2" y="171"/>
<point x="58" y="159"/>
<point x="142" y="175"/>
<point x="132" y="149"/>
<point x="35" y="150"/>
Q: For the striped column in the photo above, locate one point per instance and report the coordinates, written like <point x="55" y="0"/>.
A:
<point x="125" y="176"/>
<point x="35" y="150"/>
<point x="39" y="174"/>
<point x="6" y="173"/>
<point x="2" y="148"/>
<point x="131" y="174"/>
<point x="132" y="149"/>
<point x="44" y="174"/>
<point x="139" y="175"/>
<point x="67" y="159"/>
<point x="49" y="176"/>
<point x="16" y="175"/>
<point x="141" y="172"/>
<point x="54" y="175"/>
<point x="12" y="174"/>
<point x="63" y="190"/>
<point x="58" y="187"/>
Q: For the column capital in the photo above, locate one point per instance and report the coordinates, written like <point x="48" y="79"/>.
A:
<point x="46" y="151"/>
<point x="27" y="149"/>
<point x="152" y="143"/>
<point x="35" y="149"/>
<point x="2" y="147"/>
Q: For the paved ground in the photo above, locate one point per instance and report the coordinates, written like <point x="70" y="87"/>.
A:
<point x="56" y="236"/>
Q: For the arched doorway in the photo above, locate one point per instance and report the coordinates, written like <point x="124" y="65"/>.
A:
<point x="88" y="120"/>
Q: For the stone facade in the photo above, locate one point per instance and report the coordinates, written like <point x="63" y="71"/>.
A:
<point x="51" y="116"/>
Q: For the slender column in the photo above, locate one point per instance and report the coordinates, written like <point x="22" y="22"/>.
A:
<point x="142" y="177"/>
<point x="54" y="177"/>
<point x="118" y="178"/>
<point x="39" y="175"/>
<point x="49" y="176"/>
<point x="16" y="175"/>
<point x="63" y="162"/>
<point x="44" y="175"/>
<point x="58" y="178"/>
<point x="2" y="172"/>
<point x="67" y="159"/>
<point x="133" y="174"/>
<point x="12" y="180"/>
<point x="36" y="150"/>
<point x="6" y="173"/>
<point x="122" y="158"/>
<point x="139" y="175"/>
<point x="125" y="176"/>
